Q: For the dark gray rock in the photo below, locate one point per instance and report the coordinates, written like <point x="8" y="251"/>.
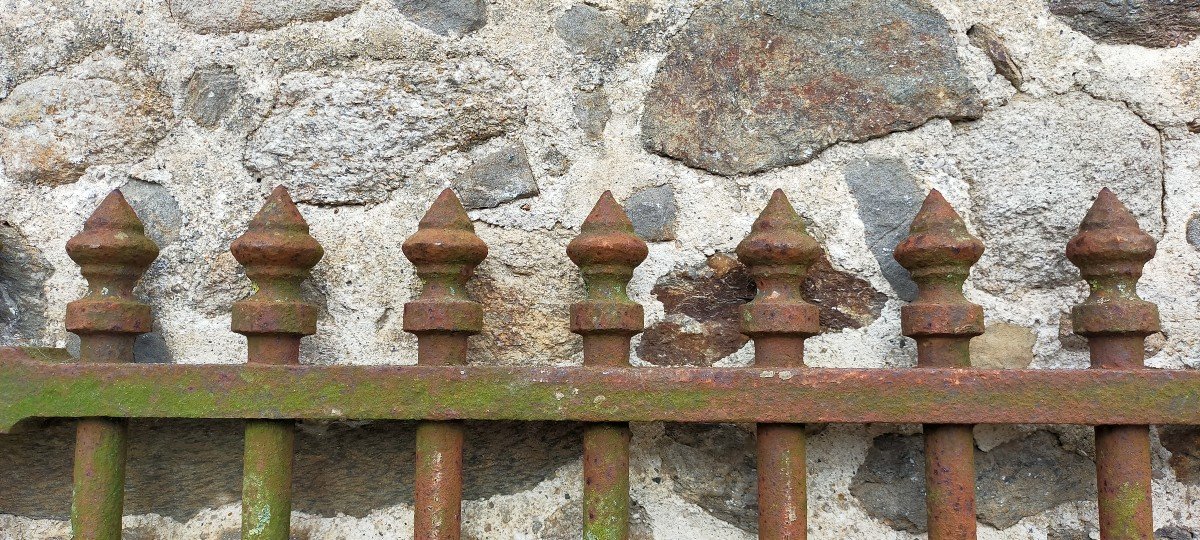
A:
<point x="497" y="178"/>
<point x="1021" y="478"/>
<point x="211" y="92"/>
<point x="445" y="17"/>
<point x="1150" y="23"/>
<point x="713" y="467"/>
<point x="1069" y="534"/>
<point x="890" y="483"/>
<point x="985" y="38"/>
<point x="1176" y="532"/>
<point x="151" y="348"/>
<point x="888" y="197"/>
<point x="592" y="112"/>
<point x="752" y="85"/>
<point x="593" y="32"/>
<point x="177" y="468"/>
<point x="157" y="208"/>
<point x="1029" y="476"/>
<point x="652" y="211"/>
<point x="556" y="163"/>
<point x="209" y="16"/>
<point x="23" y="275"/>
<point x="1184" y="444"/>
<point x="1193" y="231"/>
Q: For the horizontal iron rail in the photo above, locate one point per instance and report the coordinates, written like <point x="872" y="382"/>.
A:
<point x="33" y="388"/>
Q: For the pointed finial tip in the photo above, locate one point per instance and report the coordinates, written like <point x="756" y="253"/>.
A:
<point x="938" y="242"/>
<point x="607" y="237"/>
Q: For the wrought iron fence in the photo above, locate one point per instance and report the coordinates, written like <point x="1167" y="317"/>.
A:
<point x="103" y="388"/>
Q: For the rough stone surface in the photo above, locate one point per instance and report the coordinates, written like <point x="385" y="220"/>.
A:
<point x="54" y="127"/>
<point x="754" y="85"/>
<point x="592" y="111"/>
<point x="1023" y="478"/>
<point x="23" y="274"/>
<point x="1094" y="144"/>
<point x="211" y="93"/>
<point x="888" y="197"/>
<point x="222" y="17"/>
<point x="1150" y="23"/>
<point x="993" y="46"/>
<point x="1193" y="231"/>
<point x="496" y="178"/>
<point x="653" y="213"/>
<point x="713" y="467"/>
<point x="445" y="17"/>
<point x="1175" y="532"/>
<point x="1184" y="444"/>
<point x="588" y="30"/>
<point x="158" y="210"/>
<point x="1003" y="346"/>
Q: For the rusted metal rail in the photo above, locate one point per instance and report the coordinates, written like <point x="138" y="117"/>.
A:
<point x="104" y="389"/>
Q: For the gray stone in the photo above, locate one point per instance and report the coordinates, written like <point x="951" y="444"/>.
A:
<point x="713" y="467"/>
<point x="888" y="197"/>
<point x="890" y="483"/>
<point x="53" y="128"/>
<point x="1028" y="476"/>
<point x="157" y="208"/>
<point x="592" y="112"/>
<point x="1150" y="23"/>
<point x="752" y="85"/>
<point x="652" y="211"/>
<point x="221" y="16"/>
<point x="593" y="32"/>
<point x="1184" y="444"/>
<point x="1176" y="532"/>
<point x="211" y="92"/>
<point x="351" y="137"/>
<point x="1021" y="478"/>
<point x="1193" y="231"/>
<point x="151" y="348"/>
<point x="1034" y="168"/>
<point x="555" y="162"/>
<point x="178" y="468"/>
<point x="445" y="17"/>
<point x="496" y="178"/>
<point x="992" y="44"/>
<point x="23" y="275"/>
<point x="1069" y="534"/>
<point x="41" y="35"/>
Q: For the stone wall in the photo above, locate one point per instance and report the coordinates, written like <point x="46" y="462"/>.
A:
<point x="691" y="111"/>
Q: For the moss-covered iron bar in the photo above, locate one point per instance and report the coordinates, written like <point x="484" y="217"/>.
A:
<point x="31" y="388"/>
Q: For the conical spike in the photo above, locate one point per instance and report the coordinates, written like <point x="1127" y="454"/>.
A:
<point x="607" y="238"/>
<point x="112" y="252"/>
<point x="447" y="212"/>
<point x="278" y="253"/>
<point x="939" y="242"/>
<point x="445" y="235"/>
<point x="778" y="237"/>
<point x="1110" y="244"/>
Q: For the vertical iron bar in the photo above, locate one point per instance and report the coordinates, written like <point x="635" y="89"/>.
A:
<point x="778" y="252"/>
<point x="445" y="252"/>
<point x="112" y="252"/>
<point x="278" y="254"/>
<point x="606" y="251"/>
<point x="939" y="252"/>
<point x="1110" y="251"/>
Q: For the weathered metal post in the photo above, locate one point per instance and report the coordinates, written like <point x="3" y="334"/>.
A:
<point x="939" y="252"/>
<point x="606" y="251"/>
<point x="112" y="252"/>
<point x="779" y="252"/>
<point x="278" y="254"/>
<point x="445" y="252"/>
<point x="1110" y="251"/>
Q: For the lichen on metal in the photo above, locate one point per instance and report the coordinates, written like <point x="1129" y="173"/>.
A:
<point x="938" y="253"/>
<point x="278" y="254"/>
<point x="1110" y="251"/>
<point x="779" y="251"/>
<point x="607" y="251"/>
<point x="112" y="252"/>
<point x="445" y="252"/>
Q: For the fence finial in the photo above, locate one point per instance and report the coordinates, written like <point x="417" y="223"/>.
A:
<point x="779" y="252"/>
<point x="278" y="254"/>
<point x="445" y="251"/>
<point x="606" y="252"/>
<point x="112" y="252"/>
<point x="939" y="252"/>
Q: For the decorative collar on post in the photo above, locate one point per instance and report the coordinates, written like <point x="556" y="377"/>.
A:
<point x="278" y="254"/>
<point x="779" y="252"/>
<point x="1110" y="251"/>
<point x="606" y="252"/>
<point x="445" y="251"/>
<point x="939" y="252"/>
<point x="112" y="252"/>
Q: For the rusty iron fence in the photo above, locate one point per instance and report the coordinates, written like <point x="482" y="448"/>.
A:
<point x="103" y="388"/>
